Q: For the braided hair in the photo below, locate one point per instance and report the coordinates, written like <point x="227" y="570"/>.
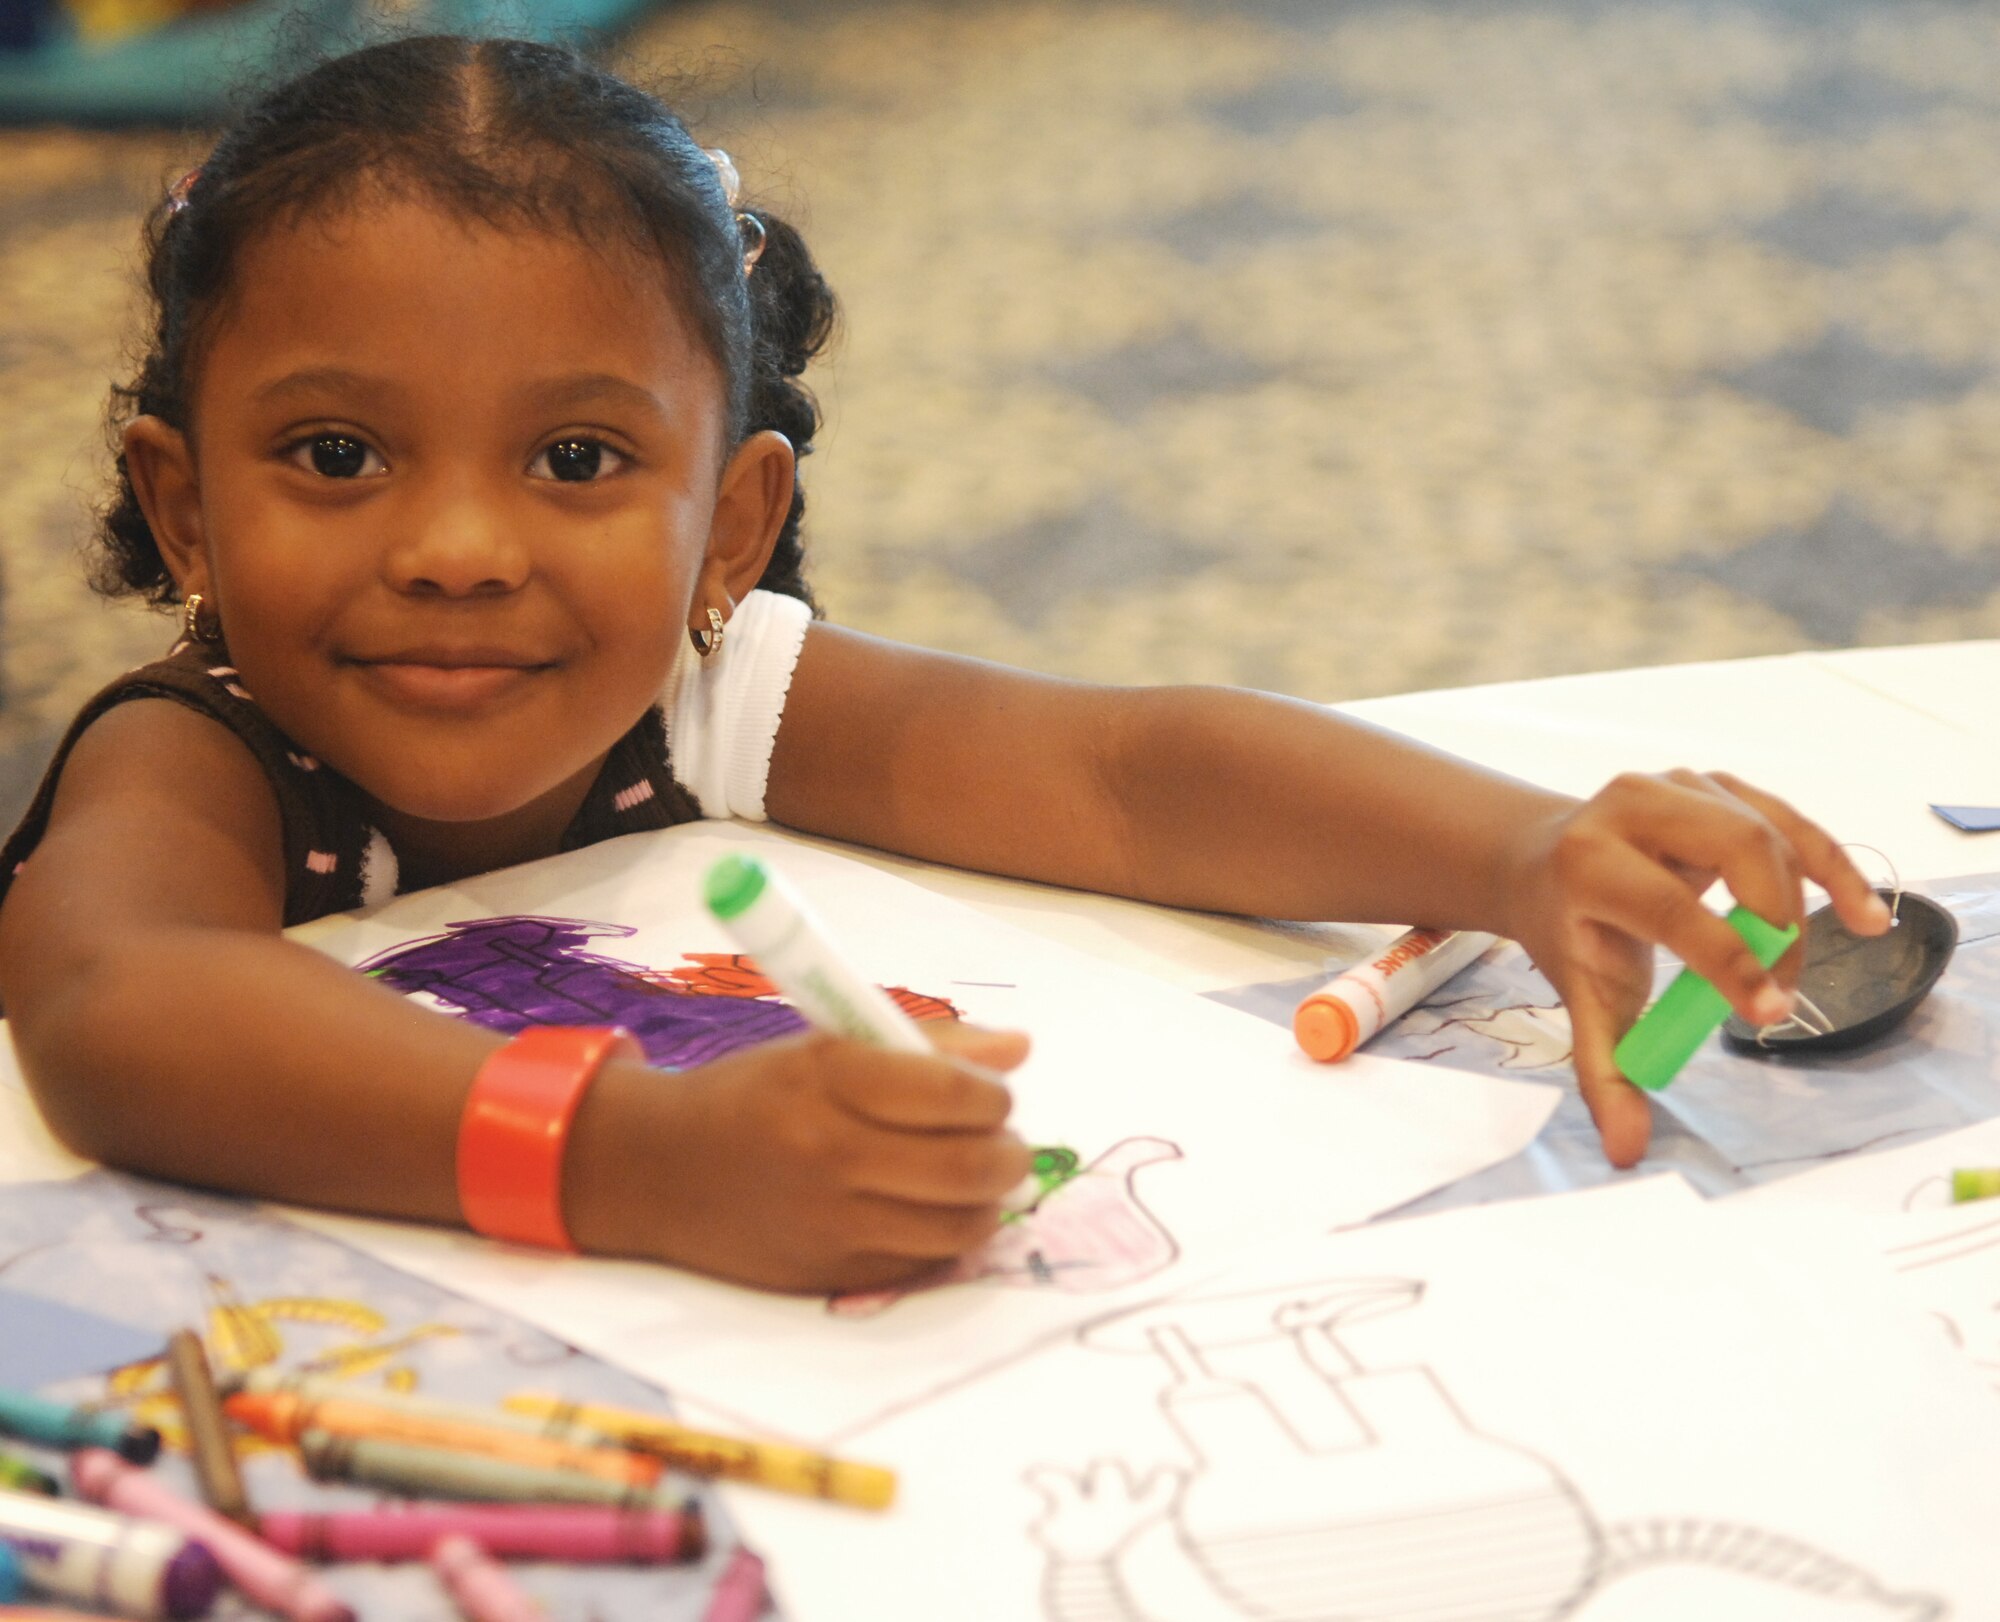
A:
<point x="507" y="133"/>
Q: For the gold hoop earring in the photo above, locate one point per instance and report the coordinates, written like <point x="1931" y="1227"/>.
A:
<point x="192" y="627"/>
<point x="709" y="642"/>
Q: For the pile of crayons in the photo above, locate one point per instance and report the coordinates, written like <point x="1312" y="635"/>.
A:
<point x="538" y="1479"/>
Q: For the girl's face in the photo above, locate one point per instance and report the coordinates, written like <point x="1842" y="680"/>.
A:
<point x="453" y="492"/>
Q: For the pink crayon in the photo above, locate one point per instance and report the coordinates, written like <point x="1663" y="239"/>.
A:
<point x="741" y="1593"/>
<point x="267" y="1577"/>
<point x="574" y="1534"/>
<point x="480" y="1588"/>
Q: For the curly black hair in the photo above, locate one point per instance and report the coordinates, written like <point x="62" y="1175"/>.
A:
<point x="506" y="132"/>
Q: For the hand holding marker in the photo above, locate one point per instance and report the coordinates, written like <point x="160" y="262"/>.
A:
<point x="1356" y="1005"/>
<point x="772" y="924"/>
<point x="1667" y="1034"/>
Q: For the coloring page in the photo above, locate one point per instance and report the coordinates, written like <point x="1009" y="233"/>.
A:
<point x="1173" y="1131"/>
<point x="1596" y="1406"/>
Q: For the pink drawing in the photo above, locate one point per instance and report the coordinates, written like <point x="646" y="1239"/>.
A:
<point x="1090" y="1232"/>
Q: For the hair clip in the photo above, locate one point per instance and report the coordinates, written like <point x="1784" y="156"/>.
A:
<point x="732" y="189"/>
<point x="753" y="228"/>
<point x="725" y="171"/>
<point x="178" y="192"/>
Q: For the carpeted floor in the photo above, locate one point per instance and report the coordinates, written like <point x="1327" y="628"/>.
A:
<point x="1338" y="348"/>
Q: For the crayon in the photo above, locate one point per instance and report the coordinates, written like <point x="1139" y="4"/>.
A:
<point x="138" y="1567"/>
<point x="439" y="1472"/>
<point x="18" y="1475"/>
<point x="266" y="1577"/>
<point x="210" y="1445"/>
<point x="481" y="1589"/>
<point x="284" y="1418"/>
<point x="1357" y="1003"/>
<point x="777" y="1465"/>
<point x="1666" y="1036"/>
<point x="271" y="1382"/>
<point x="10" y="1574"/>
<point x="1969" y="1183"/>
<point x="55" y="1424"/>
<point x="573" y="1534"/>
<point x="741" y="1593"/>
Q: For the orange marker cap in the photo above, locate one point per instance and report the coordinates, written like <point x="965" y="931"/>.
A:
<point x="1326" y="1028"/>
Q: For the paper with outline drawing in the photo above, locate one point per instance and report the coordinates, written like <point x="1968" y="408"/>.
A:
<point x="1606" y="1406"/>
<point x="1205" y="1130"/>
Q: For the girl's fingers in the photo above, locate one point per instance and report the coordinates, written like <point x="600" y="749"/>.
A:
<point x="916" y="1093"/>
<point x="942" y="1168"/>
<point x="1697" y="823"/>
<point x="1639" y="898"/>
<point x="1623" y="1116"/>
<point x="978" y="1044"/>
<point x="1820" y="857"/>
<point x="883" y="1226"/>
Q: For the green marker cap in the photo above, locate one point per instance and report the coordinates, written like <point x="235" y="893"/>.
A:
<point x="1667" y="1034"/>
<point x="733" y="884"/>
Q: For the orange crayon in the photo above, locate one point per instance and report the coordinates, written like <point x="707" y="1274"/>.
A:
<point x="284" y="1418"/>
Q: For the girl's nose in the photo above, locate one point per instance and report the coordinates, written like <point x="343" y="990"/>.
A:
<point x="456" y="544"/>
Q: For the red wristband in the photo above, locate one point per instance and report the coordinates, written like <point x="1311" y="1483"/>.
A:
<point x="516" y="1125"/>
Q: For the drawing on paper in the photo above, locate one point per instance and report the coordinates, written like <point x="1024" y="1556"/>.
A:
<point x="1318" y="1488"/>
<point x="1972" y="1249"/>
<point x="1087" y="1231"/>
<point x="1520" y="1036"/>
<point x="508" y="973"/>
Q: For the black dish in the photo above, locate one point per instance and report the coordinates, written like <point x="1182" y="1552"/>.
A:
<point x="1864" y="984"/>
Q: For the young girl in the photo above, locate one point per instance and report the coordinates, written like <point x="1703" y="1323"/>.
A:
<point x="466" y="444"/>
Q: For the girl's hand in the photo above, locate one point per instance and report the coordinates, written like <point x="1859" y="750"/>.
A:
<point x="814" y="1164"/>
<point x="1599" y="885"/>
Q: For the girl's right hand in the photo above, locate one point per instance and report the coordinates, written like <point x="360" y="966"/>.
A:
<point x="813" y="1164"/>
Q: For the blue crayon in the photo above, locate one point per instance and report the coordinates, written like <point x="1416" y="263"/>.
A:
<point x="55" y="1424"/>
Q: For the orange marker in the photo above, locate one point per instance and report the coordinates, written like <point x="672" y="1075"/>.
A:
<point x="284" y="1418"/>
<point x="1352" y="1007"/>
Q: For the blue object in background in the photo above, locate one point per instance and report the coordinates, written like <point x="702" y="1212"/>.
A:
<point x="194" y="69"/>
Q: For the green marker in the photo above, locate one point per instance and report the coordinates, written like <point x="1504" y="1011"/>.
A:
<point x="1969" y="1183"/>
<point x="1668" y="1033"/>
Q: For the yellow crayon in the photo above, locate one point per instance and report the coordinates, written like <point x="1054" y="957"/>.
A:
<point x="777" y="1465"/>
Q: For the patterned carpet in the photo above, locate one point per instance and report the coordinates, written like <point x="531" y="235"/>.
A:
<point x="1341" y="349"/>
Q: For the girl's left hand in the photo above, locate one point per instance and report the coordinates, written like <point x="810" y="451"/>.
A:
<point x="1596" y="887"/>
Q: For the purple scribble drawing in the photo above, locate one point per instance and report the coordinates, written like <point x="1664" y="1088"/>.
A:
<point x="512" y="972"/>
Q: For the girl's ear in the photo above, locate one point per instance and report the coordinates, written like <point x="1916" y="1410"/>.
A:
<point x="751" y="503"/>
<point x="160" y="465"/>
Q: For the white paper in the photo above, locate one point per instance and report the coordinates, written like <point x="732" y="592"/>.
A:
<point x="1209" y="1129"/>
<point x="1592" y="1406"/>
<point x="1911" y="1177"/>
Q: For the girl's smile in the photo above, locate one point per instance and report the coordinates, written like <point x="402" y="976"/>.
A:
<point x="452" y="490"/>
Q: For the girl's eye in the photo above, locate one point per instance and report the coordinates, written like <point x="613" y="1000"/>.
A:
<point x="576" y="461"/>
<point x="337" y="456"/>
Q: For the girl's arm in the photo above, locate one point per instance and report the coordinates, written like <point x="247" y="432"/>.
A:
<point x="1235" y="801"/>
<point x="165" y="1025"/>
